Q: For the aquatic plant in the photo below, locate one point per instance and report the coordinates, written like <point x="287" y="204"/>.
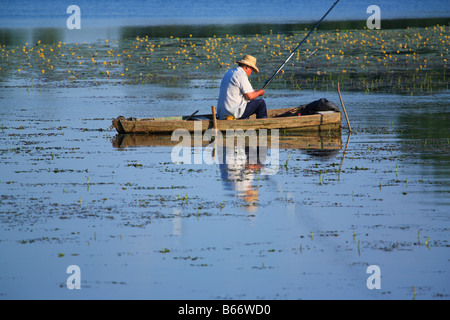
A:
<point x="411" y="60"/>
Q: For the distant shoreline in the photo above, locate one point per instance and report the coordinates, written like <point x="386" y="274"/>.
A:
<point x="90" y="34"/>
<point x="330" y="24"/>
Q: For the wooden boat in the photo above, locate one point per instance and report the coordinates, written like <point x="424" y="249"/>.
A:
<point x="321" y="122"/>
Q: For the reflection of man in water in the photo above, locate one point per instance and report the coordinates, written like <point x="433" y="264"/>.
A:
<point x="238" y="173"/>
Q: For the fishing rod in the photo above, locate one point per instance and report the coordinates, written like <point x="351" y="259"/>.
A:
<point x="292" y="53"/>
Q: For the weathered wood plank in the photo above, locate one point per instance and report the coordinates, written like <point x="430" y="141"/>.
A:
<point x="317" y="122"/>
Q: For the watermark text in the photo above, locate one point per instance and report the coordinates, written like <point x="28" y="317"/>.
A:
<point x="374" y="280"/>
<point x="74" y="20"/>
<point x="74" y="280"/>
<point x="236" y="146"/>
<point x="374" y="21"/>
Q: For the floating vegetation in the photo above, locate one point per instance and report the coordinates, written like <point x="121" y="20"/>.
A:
<point x="164" y="250"/>
<point x="324" y="215"/>
<point x="412" y="60"/>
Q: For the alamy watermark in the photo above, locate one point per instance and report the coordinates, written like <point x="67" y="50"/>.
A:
<point x="374" y="21"/>
<point x="74" y="20"/>
<point x="74" y="280"/>
<point x="374" y="280"/>
<point x="249" y="147"/>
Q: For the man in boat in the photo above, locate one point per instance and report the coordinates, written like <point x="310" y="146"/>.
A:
<point x="237" y="99"/>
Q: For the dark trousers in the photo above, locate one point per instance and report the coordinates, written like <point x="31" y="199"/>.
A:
<point x="256" y="106"/>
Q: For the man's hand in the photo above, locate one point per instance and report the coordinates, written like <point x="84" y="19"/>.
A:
<point x="255" y="94"/>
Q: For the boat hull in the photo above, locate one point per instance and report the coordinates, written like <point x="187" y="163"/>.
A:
<point x="321" y="122"/>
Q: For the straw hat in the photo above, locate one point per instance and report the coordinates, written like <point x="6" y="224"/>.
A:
<point x="250" y="61"/>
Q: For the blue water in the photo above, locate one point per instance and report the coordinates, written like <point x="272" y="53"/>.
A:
<point x="69" y="196"/>
<point x="115" y="13"/>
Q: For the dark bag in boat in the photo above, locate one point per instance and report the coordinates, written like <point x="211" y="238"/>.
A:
<point x="317" y="106"/>
<point x="311" y="108"/>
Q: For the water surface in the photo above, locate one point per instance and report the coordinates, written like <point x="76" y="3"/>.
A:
<point x="140" y="226"/>
<point x="49" y="13"/>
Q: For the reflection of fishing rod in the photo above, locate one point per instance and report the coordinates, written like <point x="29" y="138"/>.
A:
<point x="311" y="54"/>
<point x="292" y="53"/>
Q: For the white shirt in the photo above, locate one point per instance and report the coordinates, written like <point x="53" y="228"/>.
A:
<point x="233" y="87"/>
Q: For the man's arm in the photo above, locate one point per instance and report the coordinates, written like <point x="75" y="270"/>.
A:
<point x="255" y="94"/>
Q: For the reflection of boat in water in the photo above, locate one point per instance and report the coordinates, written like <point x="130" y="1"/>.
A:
<point x="242" y="165"/>
<point x="314" y="144"/>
